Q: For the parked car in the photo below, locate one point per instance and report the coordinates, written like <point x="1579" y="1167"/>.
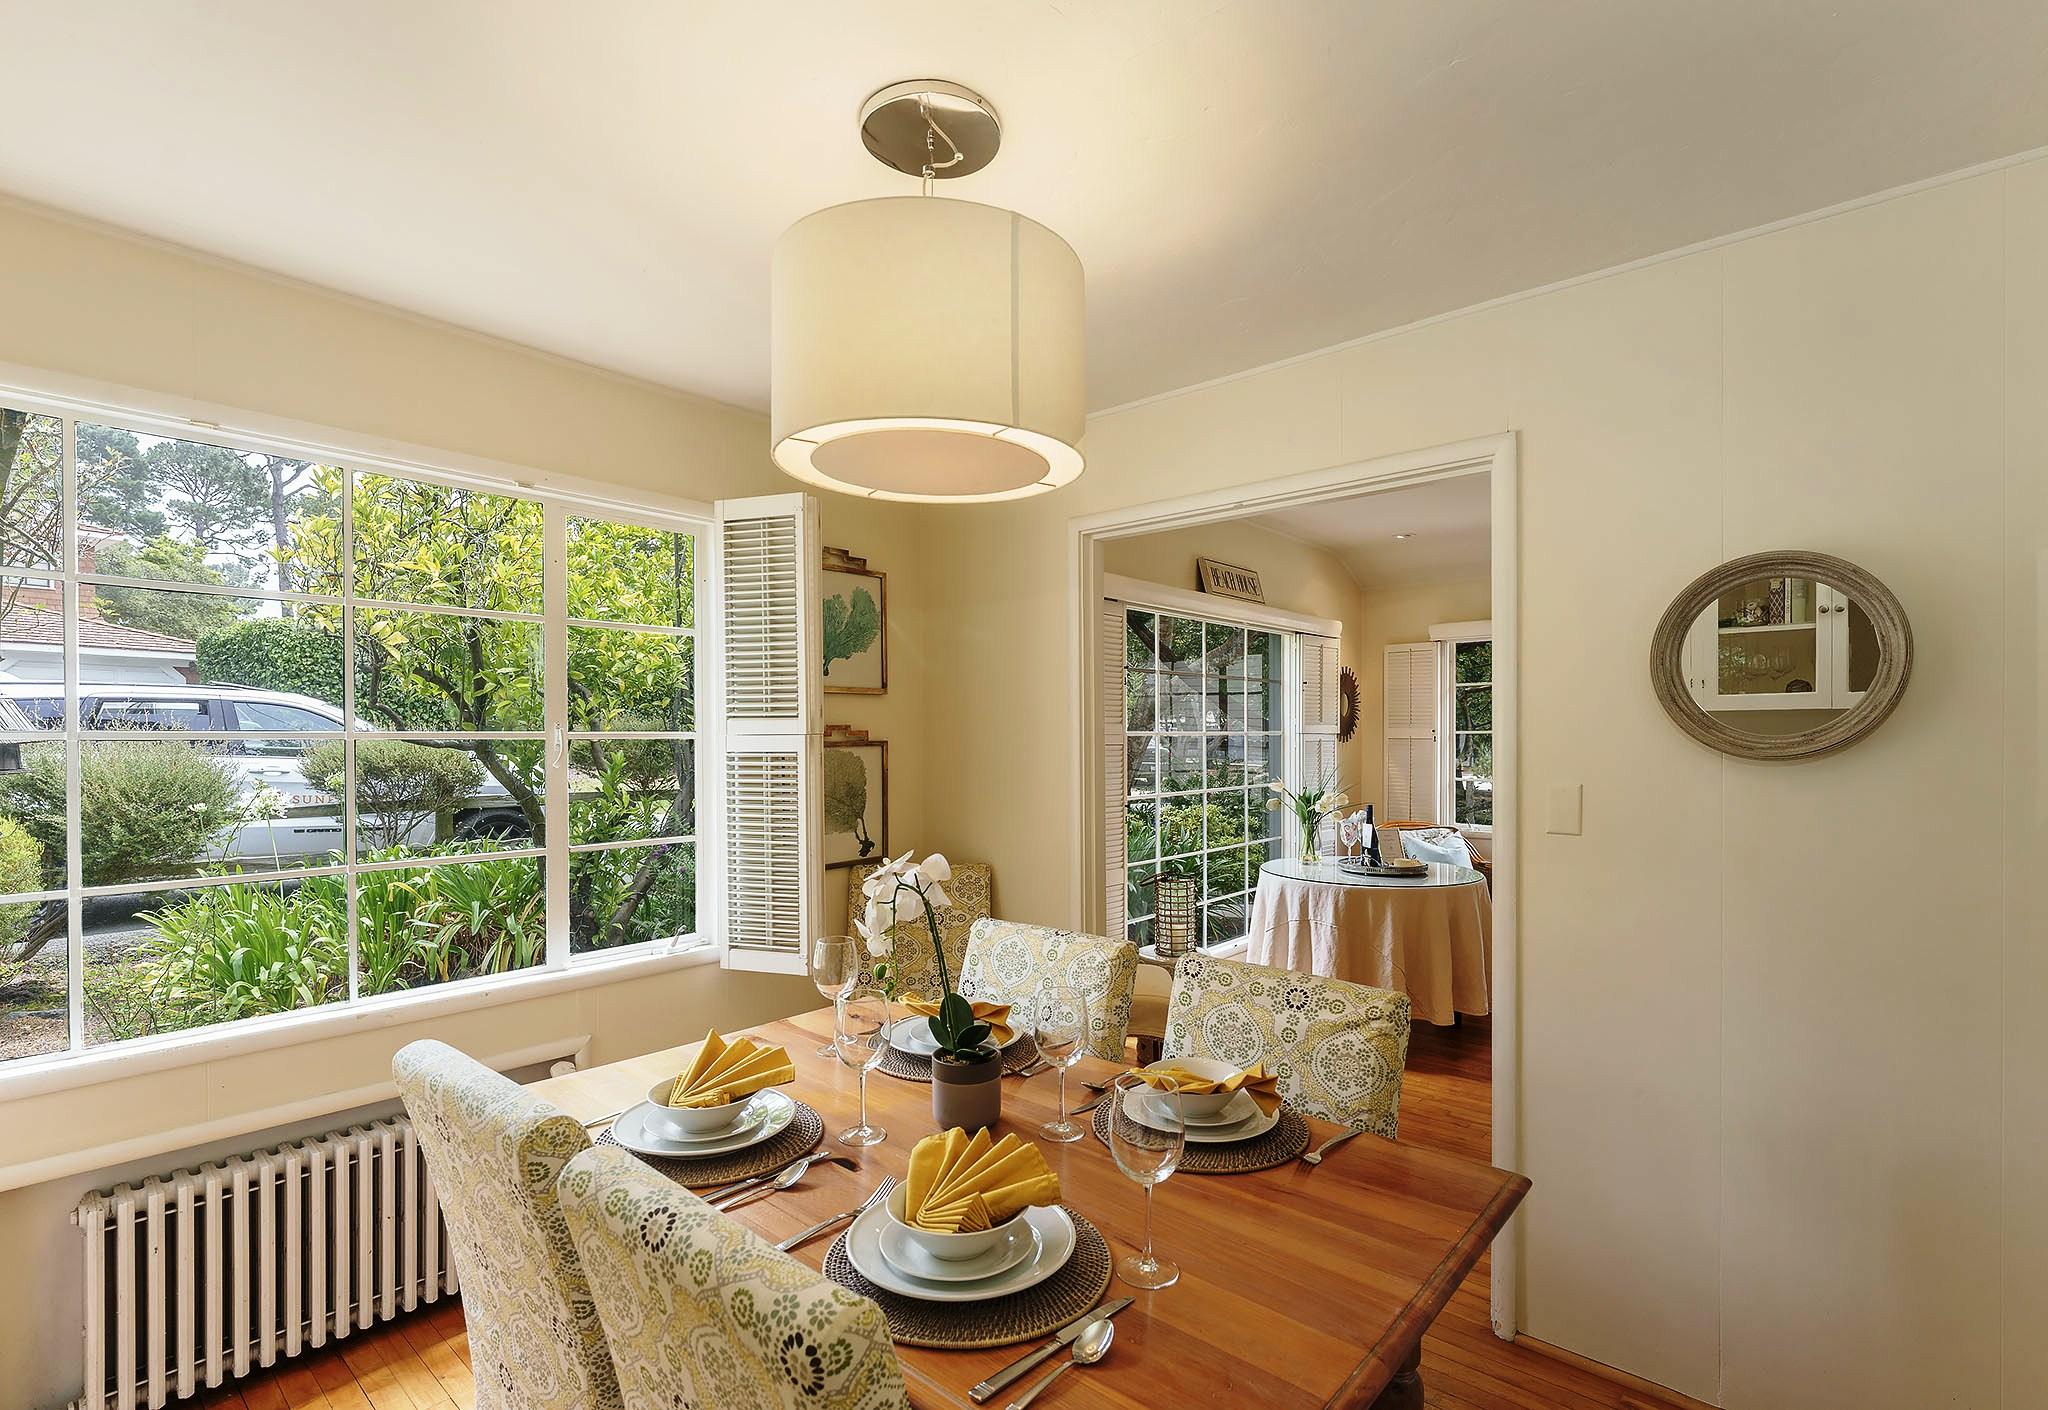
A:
<point x="311" y="826"/>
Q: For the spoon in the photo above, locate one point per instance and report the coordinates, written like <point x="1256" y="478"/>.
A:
<point x="783" y="1181"/>
<point x="1089" y="1347"/>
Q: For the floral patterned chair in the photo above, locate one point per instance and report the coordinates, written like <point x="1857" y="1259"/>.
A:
<point x="1339" y="1048"/>
<point x="535" y="1342"/>
<point x="916" y="975"/>
<point x="701" y="1312"/>
<point x="1007" y="962"/>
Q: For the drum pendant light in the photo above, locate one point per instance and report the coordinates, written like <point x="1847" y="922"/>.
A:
<point x="926" y="348"/>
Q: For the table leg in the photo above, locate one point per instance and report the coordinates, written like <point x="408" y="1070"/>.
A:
<point x="1404" y="1392"/>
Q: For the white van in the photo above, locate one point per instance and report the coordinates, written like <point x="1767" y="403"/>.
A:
<point x="311" y="826"/>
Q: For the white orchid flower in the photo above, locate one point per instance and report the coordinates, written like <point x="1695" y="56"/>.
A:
<point x="1277" y="786"/>
<point x="880" y="943"/>
<point x="936" y="867"/>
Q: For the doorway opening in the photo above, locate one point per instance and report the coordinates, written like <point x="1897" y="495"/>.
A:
<point x="1382" y="662"/>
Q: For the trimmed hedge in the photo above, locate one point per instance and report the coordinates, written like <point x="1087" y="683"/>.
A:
<point x="289" y="653"/>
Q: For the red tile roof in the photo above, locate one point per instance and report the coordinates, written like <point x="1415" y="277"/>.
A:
<point x="34" y="626"/>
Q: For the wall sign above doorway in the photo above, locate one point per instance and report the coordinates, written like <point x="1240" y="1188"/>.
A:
<point x="1229" y="580"/>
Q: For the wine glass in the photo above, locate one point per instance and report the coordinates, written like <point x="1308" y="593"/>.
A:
<point x="1061" y="1021"/>
<point x="860" y="1034"/>
<point x="1147" y="1151"/>
<point x="835" y="967"/>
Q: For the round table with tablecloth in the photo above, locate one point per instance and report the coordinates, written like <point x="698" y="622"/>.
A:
<point x="1430" y="937"/>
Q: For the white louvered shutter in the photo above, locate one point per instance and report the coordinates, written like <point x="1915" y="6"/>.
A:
<point x="1115" y="767"/>
<point x="1410" y="715"/>
<point x="768" y="676"/>
<point x="1321" y="662"/>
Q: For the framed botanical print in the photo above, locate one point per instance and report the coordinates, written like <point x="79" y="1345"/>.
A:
<point x="856" y="793"/>
<point x="856" y="626"/>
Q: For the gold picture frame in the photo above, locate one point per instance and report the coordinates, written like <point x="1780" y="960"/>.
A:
<point x="855" y="631"/>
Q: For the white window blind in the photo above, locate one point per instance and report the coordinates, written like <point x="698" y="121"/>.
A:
<point x="1410" y="719"/>
<point x="770" y="864"/>
<point x="1321" y="663"/>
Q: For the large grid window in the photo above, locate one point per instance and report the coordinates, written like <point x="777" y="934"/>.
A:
<point x="1203" y="717"/>
<point x="277" y="734"/>
<point x="1471" y="761"/>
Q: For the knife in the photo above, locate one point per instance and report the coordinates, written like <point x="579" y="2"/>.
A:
<point x="1024" y="1364"/>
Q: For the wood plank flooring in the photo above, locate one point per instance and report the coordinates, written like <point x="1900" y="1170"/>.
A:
<point x="421" y="1362"/>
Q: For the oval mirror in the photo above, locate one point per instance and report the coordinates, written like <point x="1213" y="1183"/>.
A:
<point x="1782" y="655"/>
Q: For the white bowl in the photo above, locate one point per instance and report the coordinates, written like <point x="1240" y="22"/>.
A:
<point x="948" y="1248"/>
<point x="1204" y="1103"/>
<point x="691" y="1123"/>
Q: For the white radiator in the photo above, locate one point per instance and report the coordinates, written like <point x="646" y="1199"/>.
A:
<point x="201" y="1275"/>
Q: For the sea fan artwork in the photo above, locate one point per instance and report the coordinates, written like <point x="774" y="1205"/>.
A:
<point x="852" y="622"/>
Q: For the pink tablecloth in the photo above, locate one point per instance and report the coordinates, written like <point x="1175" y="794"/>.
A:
<point x="1434" y="941"/>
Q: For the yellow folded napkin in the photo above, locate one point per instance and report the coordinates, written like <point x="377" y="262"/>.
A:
<point x="996" y="1016"/>
<point x="1262" y="1086"/>
<point x="726" y="1071"/>
<point x="960" y="1184"/>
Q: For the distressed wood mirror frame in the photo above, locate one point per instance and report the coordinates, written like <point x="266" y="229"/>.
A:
<point x="1887" y="619"/>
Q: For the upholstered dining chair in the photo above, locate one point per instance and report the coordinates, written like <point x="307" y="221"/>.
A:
<point x="1339" y="1048"/>
<point x="701" y="1312"/>
<point x="916" y="974"/>
<point x="494" y="1151"/>
<point x="1006" y="963"/>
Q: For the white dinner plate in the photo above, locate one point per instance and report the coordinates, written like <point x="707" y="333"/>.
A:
<point x="1054" y="1246"/>
<point x="767" y="1114"/>
<point x="914" y="1035"/>
<point x="908" y="1257"/>
<point x="1138" y="1106"/>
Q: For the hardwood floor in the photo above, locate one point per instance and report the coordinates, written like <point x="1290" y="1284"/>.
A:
<point x="422" y="1362"/>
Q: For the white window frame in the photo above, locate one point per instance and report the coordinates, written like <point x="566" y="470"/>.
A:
<point x="1449" y="636"/>
<point x="1122" y="593"/>
<point x="40" y="392"/>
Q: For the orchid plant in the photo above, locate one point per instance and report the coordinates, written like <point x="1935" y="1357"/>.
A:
<point x="1309" y="806"/>
<point x="901" y="891"/>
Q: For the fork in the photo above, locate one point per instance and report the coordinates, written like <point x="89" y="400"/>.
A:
<point x="882" y="1192"/>
<point x="1315" y="1157"/>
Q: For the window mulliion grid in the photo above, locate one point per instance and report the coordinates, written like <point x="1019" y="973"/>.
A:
<point x="281" y="734"/>
<point x="1203" y="720"/>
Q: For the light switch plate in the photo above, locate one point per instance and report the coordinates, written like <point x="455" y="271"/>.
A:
<point x="1567" y="809"/>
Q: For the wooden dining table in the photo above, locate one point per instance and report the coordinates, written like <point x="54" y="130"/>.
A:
<point x="1299" y="1285"/>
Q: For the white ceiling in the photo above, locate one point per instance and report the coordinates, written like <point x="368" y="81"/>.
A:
<point x="1451" y="521"/>
<point x="1245" y="180"/>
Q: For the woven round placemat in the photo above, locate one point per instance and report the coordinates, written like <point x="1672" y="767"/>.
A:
<point x="1000" y="1321"/>
<point x="913" y="1067"/>
<point x="1285" y="1142"/>
<point x="800" y="1137"/>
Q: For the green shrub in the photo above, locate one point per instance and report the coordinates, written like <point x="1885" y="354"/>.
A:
<point x="21" y="869"/>
<point x="145" y="807"/>
<point x="303" y="657"/>
<point x="399" y="784"/>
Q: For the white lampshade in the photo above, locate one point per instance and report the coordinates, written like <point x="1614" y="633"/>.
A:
<point x="927" y="349"/>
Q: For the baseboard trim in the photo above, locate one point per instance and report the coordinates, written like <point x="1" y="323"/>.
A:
<point x="1619" y="1377"/>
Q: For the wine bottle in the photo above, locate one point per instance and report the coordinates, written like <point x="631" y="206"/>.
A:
<point x="1372" y="840"/>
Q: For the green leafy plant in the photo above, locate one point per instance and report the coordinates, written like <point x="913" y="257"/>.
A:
<point x="240" y="950"/>
<point x="851" y="623"/>
<point x="399" y="784"/>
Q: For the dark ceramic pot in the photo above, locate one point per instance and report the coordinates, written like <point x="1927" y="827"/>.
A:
<point x="967" y="1094"/>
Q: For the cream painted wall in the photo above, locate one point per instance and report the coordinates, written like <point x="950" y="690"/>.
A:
<point x="1393" y="616"/>
<point x="1783" y="1099"/>
<point x="1297" y="577"/>
<point x="88" y="302"/>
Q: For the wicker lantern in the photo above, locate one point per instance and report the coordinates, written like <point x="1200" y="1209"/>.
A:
<point x="1173" y="915"/>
